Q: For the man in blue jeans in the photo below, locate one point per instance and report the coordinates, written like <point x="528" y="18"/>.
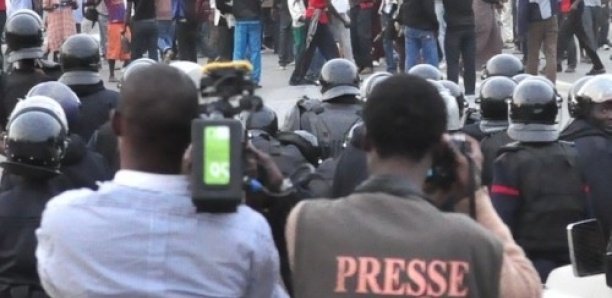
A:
<point x="247" y="34"/>
<point x="421" y="25"/>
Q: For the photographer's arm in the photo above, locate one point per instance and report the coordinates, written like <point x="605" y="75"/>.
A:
<point x="518" y="276"/>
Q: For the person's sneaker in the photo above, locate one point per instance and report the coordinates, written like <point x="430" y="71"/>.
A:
<point x="594" y="71"/>
<point x="366" y="71"/>
<point x="570" y="69"/>
<point x="168" y="56"/>
<point x="606" y="47"/>
<point x="112" y="79"/>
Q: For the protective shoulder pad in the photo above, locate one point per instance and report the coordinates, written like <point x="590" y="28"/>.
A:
<point x="310" y="105"/>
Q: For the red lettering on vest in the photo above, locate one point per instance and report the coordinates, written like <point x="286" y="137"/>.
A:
<point x="458" y="270"/>
<point x="369" y="269"/>
<point x="393" y="286"/>
<point x="436" y="271"/>
<point x="347" y="267"/>
<point x="416" y="270"/>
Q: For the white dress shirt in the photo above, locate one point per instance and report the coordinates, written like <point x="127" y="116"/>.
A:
<point x="139" y="236"/>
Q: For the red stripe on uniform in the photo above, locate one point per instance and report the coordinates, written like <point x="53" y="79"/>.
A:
<point x="504" y="190"/>
<point x="586" y="188"/>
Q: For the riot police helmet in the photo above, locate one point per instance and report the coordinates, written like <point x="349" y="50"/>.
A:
<point x="426" y="71"/>
<point x="80" y="52"/>
<point x="68" y="100"/>
<point x="339" y="77"/>
<point x="24" y="35"/>
<point x="494" y="94"/>
<point x="453" y="118"/>
<point x="192" y="69"/>
<point x="133" y="66"/>
<point x="505" y="65"/>
<point x="576" y="104"/>
<point x="36" y="138"/>
<point x="520" y="77"/>
<point x="533" y="112"/>
<point x="456" y="91"/>
<point x="262" y="118"/>
<point x="595" y="100"/>
<point x="368" y="84"/>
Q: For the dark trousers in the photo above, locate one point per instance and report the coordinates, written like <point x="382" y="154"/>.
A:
<point x="322" y="40"/>
<point x="144" y="39"/>
<point x="571" y="46"/>
<point x="573" y="26"/>
<point x="285" y="40"/>
<point x="187" y="40"/>
<point x="225" y="41"/>
<point x="604" y="22"/>
<point x="543" y="35"/>
<point x="461" y="42"/>
<point x="361" y="36"/>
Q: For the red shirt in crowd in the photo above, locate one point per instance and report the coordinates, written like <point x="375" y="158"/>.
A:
<point x="317" y="4"/>
<point x="2" y="5"/>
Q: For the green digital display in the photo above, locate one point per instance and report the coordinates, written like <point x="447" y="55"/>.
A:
<point x="216" y="155"/>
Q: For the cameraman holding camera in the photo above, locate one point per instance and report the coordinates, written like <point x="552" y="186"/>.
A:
<point x="389" y="238"/>
<point x="140" y="235"/>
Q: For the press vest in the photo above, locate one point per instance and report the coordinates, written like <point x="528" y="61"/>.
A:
<point x="376" y="243"/>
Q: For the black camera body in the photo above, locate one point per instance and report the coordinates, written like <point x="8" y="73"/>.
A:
<point x="442" y="173"/>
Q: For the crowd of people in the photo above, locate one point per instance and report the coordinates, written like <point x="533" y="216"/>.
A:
<point x="400" y="184"/>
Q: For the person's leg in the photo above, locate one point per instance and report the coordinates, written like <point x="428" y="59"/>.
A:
<point x="588" y="20"/>
<point x="604" y="22"/>
<point x="550" y="48"/>
<point x="138" y="43"/>
<point x="303" y="63"/>
<point x="413" y="47"/>
<point x="111" y="70"/>
<point x="590" y="51"/>
<point x="439" y="7"/>
<point x="254" y="46"/>
<point x="535" y="37"/>
<point x="285" y="51"/>
<point x="387" y="37"/>
<point x="468" y="55"/>
<point x="364" y="33"/>
<point x="429" y="46"/>
<point x="299" y="41"/>
<point x="164" y="38"/>
<point x="152" y="34"/>
<point x="102" y="28"/>
<point x="240" y="41"/>
<point x="451" y="48"/>
<point x="326" y="43"/>
<point x="355" y="36"/>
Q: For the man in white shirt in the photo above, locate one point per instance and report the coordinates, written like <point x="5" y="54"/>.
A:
<point x="15" y="5"/>
<point x="139" y="235"/>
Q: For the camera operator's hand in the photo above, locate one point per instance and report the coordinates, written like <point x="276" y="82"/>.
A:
<point x="465" y="161"/>
<point x="274" y="177"/>
<point x="187" y="163"/>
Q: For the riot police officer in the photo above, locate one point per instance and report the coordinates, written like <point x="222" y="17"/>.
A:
<point x="80" y="166"/>
<point x="538" y="188"/>
<point x="505" y="65"/>
<point x="34" y="145"/>
<point x="80" y="61"/>
<point x="494" y="94"/>
<point x="591" y="131"/>
<point x="24" y="39"/>
<point x="330" y="118"/>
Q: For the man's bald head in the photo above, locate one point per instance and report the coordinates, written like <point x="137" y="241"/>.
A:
<point x="155" y="110"/>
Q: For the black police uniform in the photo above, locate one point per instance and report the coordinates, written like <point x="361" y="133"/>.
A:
<point x="351" y="171"/>
<point x="490" y="146"/>
<point x="473" y="130"/>
<point x="96" y="104"/>
<point x="330" y="121"/>
<point x="595" y="154"/>
<point x="20" y="214"/>
<point x="538" y="189"/>
<point x="15" y="85"/>
<point x="82" y="167"/>
<point x="104" y="142"/>
<point x="286" y="156"/>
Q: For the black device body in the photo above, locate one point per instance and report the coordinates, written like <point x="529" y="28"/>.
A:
<point x="217" y="165"/>
<point x="587" y="248"/>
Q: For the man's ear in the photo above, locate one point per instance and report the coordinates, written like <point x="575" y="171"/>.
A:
<point x="116" y="119"/>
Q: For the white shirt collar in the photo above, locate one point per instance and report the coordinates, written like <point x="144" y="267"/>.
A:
<point x="174" y="184"/>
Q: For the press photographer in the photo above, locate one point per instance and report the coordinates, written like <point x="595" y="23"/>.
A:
<point x="389" y="237"/>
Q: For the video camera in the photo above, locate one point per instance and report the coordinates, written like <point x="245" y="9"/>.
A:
<point x="219" y="140"/>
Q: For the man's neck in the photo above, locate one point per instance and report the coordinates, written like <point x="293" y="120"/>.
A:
<point x="414" y="172"/>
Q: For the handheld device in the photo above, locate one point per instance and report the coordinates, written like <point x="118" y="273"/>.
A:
<point x="217" y="175"/>
<point x="587" y="247"/>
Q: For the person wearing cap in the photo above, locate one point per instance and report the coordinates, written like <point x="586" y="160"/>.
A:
<point x="34" y="146"/>
<point x="24" y="42"/>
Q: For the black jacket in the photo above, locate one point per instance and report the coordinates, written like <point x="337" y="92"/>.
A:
<point x="104" y="142"/>
<point x="247" y="10"/>
<point x="96" y="104"/>
<point x="20" y="213"/>
<point x="595" y="153"/>
<point x="458" y="13"/>
<point x="82" y="167"/>
<point x="15" y="85"/>
<point x="419" y="14"/>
